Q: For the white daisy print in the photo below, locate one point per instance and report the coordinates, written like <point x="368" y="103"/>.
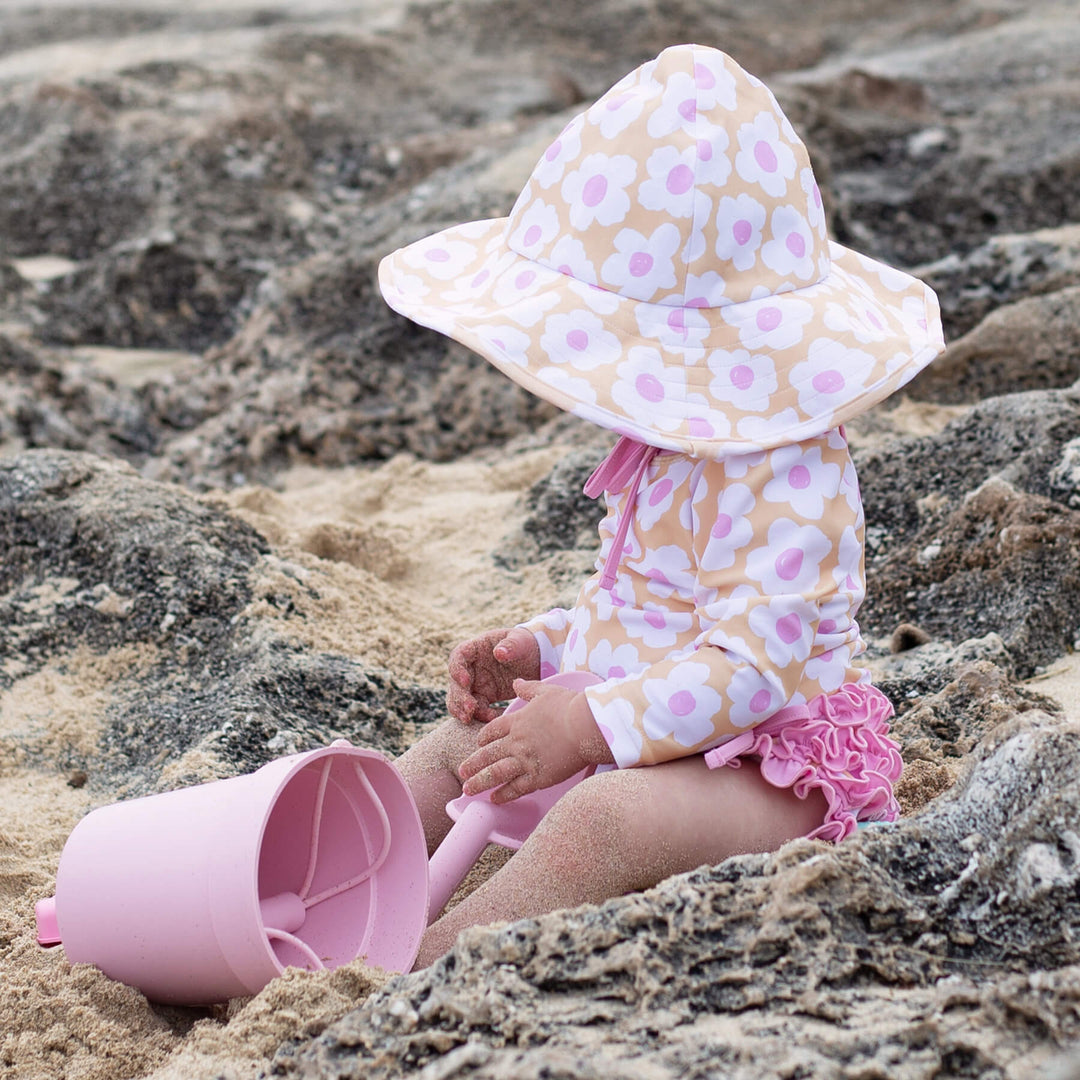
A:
<point x="642" y="264"/>
<point x="535" y="229"/>
<point x="442" y="258"/>
<point x="802" y="480"/>
<point x="746" y="380"/>
<point x="739" y="224"/>
<point x="565" y="149"/>
<point x="791" y="559"/>
<point x="785" y="627"/>
<point x="578" y="338"/>
<point x="790" y="252"/>
<point x="830" y="376"/>
<point x="596" y="190"/>
<point x="776" y="324"/>
<point x="615" y="719"/>
<point x="614" y="662"/>
<point x="645" y="387"/>
<point x="730" y="529"/>
<point x="682" y="705"/>
<point x="764" y="158"/>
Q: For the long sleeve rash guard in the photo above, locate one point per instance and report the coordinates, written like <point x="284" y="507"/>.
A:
<point x="736" y="595"/>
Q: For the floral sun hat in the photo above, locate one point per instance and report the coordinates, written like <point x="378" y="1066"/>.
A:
<point x="666" y="273"/>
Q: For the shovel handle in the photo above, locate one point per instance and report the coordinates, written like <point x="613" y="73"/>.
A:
<point x="457" y="854"/>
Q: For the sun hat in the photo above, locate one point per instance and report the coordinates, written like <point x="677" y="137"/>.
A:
<point x="666" y="273"/>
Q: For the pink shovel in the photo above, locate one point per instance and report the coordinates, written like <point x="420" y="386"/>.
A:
<point x="209" y="892"/>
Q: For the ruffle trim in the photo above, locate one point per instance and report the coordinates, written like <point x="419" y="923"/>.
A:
<point x="837" y="743"/>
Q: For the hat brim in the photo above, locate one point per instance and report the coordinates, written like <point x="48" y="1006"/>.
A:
<point x="706" y="381"/>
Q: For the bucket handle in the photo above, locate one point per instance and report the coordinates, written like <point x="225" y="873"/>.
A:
<point x="298" y="944"/>
<point x="384" y="822"/>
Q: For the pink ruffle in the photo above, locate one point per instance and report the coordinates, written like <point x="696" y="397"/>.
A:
<point x="837" y="743"/>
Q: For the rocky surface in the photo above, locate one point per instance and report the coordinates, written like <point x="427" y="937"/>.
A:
<point x="190" y="223"/>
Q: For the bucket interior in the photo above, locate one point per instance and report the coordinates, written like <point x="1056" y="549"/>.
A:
<point x="343" y="867"/>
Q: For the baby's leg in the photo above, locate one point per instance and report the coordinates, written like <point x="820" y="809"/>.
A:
<point x="430" y="767"/>
<point x="625" y="830"/>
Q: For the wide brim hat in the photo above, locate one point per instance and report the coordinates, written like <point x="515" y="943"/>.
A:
<point x="666" y="273"/>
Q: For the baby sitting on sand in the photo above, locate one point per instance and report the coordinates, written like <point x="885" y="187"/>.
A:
<point x="666" y="274"/>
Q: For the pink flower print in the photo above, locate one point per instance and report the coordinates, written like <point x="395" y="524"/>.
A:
<point x="596" y="190"/>
<point x="790" y="560"/>
<point x="815" y="207"/>
<point x="642" y="264"/>
<point x="551" y="166"/>
<point x="576" y="650"/>
<point x="831" y="376"/>
<point x="849" y="488"/>
<point x="848" y="573"/>
<point x="892" y="279"/>
<point x="536" y="228"/>
<point x="511" y="344"/>
<point x="790" y="253"/>
<point x="764" y="158"/>
<point x="670" y="188"/>
<point x="579" y="339"/>
<point x="655" y="499"/>
<point x="658" y="628"/>
<point x="518" y="281"/>
<point x="762" y="430"/>
<point x="618" y="109"/>
<point x="529" y="310"/>
<point x="752" y="698"/>
<point x="730" y="529"/>
<point x="615" y="719"/>
<point x="683" y="705"/>
<point x="736" y="466"/>
<point x="644" y="385"/>
<point x="866" y="322"/>
<point x="802" y="480"/>
<point x="614" y="662"/>
<point x="705" y="291"/>
<point x="668" y="571"/>
<point x="440" y="258"/>
<point x="715" y="84"/>
<point x="558" y="378"/>
<point x="745" y="380"/>
<point x="568" y="257"/>
<point x="836" y="627"/>
<point x="786" y="626"/>
<point x="678" y="327"/>
<point x="677" y="110"/>
<point x="407" y="285"/>
<point x="828" y="669"/>
<point x="775" y="324"/>
<point x="739" y="223"/>
<point x="914" y="311"/>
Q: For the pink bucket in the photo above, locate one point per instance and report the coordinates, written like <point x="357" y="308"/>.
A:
<point x="209" y="892"/>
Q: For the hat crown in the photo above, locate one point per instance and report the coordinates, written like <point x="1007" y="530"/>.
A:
<point x="683" y="185"/>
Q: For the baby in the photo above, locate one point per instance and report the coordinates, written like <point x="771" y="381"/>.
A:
<point x="666" y="274"/>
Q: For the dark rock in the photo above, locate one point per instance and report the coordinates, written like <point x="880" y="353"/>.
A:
<point x="98" y="558"/>
<point x="821" y="961"/>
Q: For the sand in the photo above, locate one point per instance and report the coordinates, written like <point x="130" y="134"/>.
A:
<point x="403" y="557"/>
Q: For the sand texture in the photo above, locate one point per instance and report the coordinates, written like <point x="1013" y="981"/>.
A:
<point x="246" y="510"/>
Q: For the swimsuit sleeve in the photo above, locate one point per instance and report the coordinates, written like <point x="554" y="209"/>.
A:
<point x="550" y="631"/>
<point x="778" y="579"/>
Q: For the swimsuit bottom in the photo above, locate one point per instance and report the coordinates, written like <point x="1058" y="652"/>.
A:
<point x="836" y="743"/>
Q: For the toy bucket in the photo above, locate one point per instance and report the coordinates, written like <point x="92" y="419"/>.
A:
<point x="209" y="892"/>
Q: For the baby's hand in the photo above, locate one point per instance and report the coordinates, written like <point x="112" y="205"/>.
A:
<point x="483" y="670"/>
<point x="543" y="743"/>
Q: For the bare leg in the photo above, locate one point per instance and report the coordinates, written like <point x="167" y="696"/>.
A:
<point x="629" y="829"/>
<point x="430" y="770"/>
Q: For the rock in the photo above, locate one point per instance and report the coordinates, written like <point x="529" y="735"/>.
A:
<point x="101" y="566"/>
<point x="817" y="961"/>
<point x="1001" y="271"/>
<point x="1032" y="344"/>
